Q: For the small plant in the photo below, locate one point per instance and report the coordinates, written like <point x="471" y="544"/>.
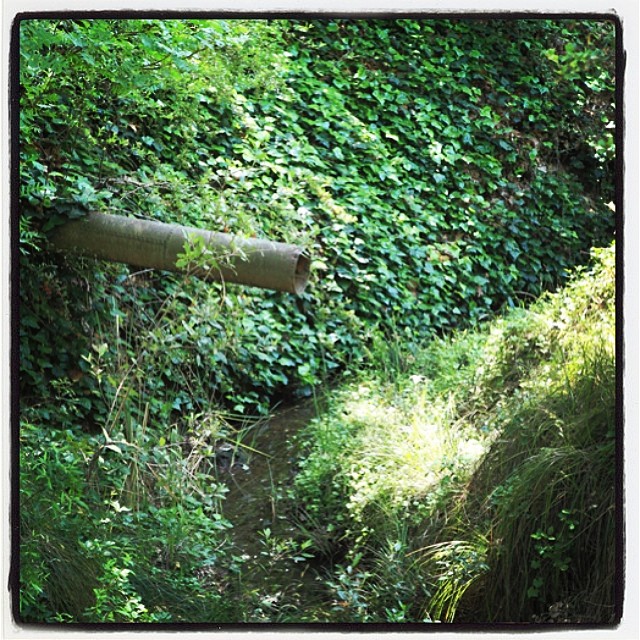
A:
<point x="350" y="588"/>
<point x="453" y="567"/>
<point x="277" y="549"/>
<point x="115" y="598"/>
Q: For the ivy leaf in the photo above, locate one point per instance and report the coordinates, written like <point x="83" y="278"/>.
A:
<point x="439" y="177"/>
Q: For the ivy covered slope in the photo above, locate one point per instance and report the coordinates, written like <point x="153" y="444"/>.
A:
<point x="435" y="170"/>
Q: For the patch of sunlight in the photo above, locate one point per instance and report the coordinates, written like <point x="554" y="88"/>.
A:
<point x="470" y="451"/>
<point x="402" y="450"/>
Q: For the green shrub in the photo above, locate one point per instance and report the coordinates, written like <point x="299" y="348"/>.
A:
<point x="56" y="578"/>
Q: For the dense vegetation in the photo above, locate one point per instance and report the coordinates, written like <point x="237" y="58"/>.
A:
<point x="474" y="481"/>
<point x="436" y="171"/>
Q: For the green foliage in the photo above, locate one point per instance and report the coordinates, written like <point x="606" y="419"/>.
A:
<point x="115" y="598"/>
<point x="435" y="171"/>
<point x="429" y="175"/>
<point x="56" y="577"/>
<point x="455" y="566"/>
<point x="389" y="589"/>
<point x="560" y="454"/>
<point x="141" y="485"/>
<point x="106" y="104"/>
<point x="433" y="217"/>
<point x="119" y="531"/>
<point x="493" y="448"/>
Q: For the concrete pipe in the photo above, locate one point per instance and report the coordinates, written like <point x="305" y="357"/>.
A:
<point x="156" y="245"/>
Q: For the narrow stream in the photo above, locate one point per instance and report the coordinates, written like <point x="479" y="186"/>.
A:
<point x="256" y="502"/>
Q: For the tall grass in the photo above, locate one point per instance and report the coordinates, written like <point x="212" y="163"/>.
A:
<point x="493" y="452"/>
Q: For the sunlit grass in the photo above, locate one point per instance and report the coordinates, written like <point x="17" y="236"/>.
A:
<point x="399" y="450"/>
<point x="487" y="460"/>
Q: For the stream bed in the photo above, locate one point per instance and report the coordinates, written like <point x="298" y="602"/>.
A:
<point x="263" y="532"/>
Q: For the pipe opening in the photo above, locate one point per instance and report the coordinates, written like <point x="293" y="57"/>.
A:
<point x="301" y="275"/>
